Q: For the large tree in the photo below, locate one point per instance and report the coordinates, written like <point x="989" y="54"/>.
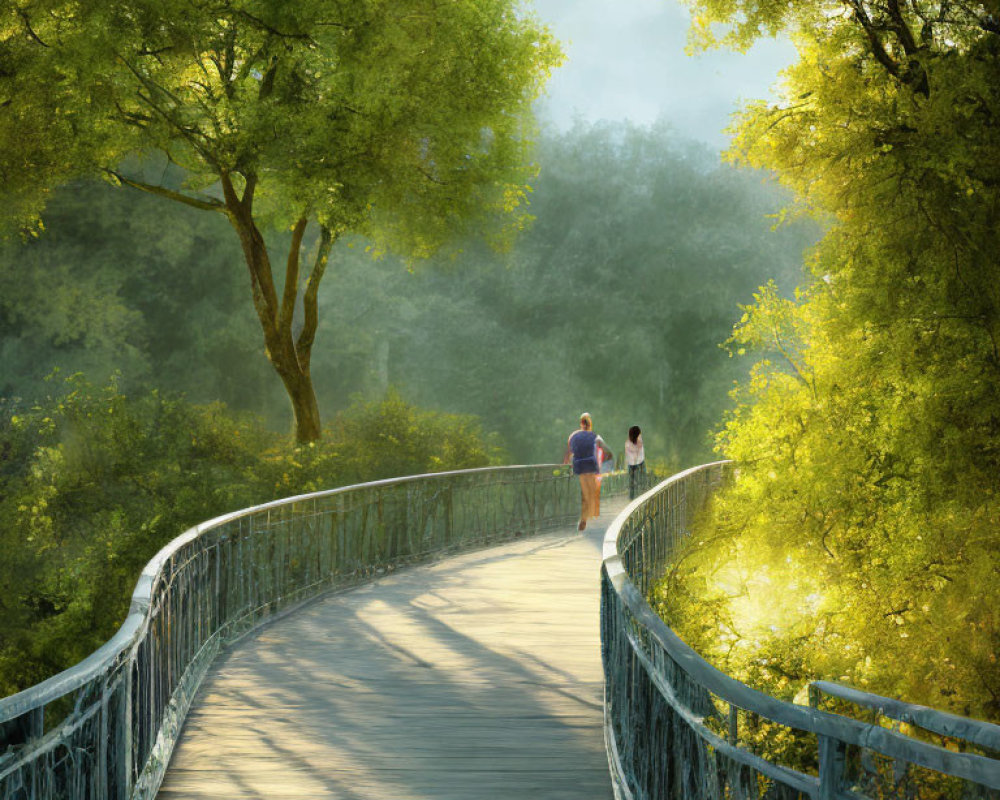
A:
<point x="407" y="121"/>
<point x="869" y="437"/>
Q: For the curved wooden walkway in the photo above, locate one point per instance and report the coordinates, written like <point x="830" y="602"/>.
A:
<point x="473" y="678"/>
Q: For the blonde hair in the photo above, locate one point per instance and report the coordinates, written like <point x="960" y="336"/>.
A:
<point x="586" y="422"/>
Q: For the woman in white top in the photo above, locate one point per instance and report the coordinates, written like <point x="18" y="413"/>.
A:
<point x="635" y="457"/>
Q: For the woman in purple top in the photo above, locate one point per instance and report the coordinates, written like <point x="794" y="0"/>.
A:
<point x="582" y="447"/>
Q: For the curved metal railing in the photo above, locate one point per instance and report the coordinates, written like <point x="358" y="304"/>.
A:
<point x="678" y="728"/>
<point x="106" y="727"/>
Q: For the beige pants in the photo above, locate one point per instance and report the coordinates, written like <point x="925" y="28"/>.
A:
<point x="590" y="490"/>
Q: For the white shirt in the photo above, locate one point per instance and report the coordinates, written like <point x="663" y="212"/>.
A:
<point x="634" y="453"/>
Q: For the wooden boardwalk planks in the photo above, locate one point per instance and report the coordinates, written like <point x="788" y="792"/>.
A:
<point x="475" y="677"/>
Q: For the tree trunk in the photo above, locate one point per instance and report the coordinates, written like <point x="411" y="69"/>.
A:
<point x="308" y="427"/>
<point x="289" y="357"/>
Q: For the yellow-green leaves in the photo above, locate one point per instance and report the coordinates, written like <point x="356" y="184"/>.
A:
<point x="868" y="431"/>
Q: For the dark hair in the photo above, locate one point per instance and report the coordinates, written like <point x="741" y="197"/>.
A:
<point x="633" y="434"/>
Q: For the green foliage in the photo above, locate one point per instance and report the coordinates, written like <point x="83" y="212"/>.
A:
<point x="407" y="121"/>
<point x="93" y="482"/>
<point x="123" y="283"/>
<point x="859" y="541"/>
<point x="387" y="438"/>
<point x="614" y="301"/>
<point x="401" y="117"/>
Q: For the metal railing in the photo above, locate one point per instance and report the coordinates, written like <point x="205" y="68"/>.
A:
<point x="678" y="728"/>
<point x="105" y="728"/>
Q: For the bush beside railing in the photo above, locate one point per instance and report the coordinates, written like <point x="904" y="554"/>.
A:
<point x="678" y="728"/>
<point x="106" y="727"/>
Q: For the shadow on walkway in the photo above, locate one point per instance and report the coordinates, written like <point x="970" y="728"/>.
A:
<point x="475" y="677"/>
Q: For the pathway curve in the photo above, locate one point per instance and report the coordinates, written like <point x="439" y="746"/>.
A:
<point x="474" y="678"/>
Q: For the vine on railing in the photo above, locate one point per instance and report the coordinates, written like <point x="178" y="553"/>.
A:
<point x="105" y="728"/>
<point x="678" y="728"/>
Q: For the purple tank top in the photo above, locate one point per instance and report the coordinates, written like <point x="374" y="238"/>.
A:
<point x="583" y="445"/>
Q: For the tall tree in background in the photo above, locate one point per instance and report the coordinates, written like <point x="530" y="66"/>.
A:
<point x="869" y="438"/>
<point x="407" y="121"/>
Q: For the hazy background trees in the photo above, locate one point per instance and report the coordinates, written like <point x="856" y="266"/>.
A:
<point x="614" y="301"/>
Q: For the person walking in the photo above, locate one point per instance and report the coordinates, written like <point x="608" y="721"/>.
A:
<point x="582" y="447"/>
<point x="635" y="457"/>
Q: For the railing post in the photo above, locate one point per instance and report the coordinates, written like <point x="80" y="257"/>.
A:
<point x="832" y="757"/>
<point x="832" y="760"/>
<point x="127" y="712"/>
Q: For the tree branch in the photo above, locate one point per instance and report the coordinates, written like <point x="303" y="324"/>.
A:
<point x="248" y="190"/>
<point x="906" y="37"/>
<point x="195" y="137"/>
<point x="916" y="75"/>
<point x="155" y="53"/>
<point x="307" y="336"/>
<point x="206" y="204"/>
<point x="133" y="117"/>
<point x="291" y="290"/>
<point x="878" y="49"/>
<point x="265" y="297"/>
<point x="780" y="347"/>
<point x="27" y="24"/>
<point x="269" y="28"/>
<point x="430" y="177"/>
<point x="233" y="202"/>
<point x="267" y="81"/>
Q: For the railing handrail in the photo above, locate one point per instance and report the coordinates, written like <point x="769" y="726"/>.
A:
<point x="973" y="767"/>
<point x="975" y="731"/>
<point x="76" y="676"/>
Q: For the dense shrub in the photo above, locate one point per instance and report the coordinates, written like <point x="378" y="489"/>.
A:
<point x="94" y="482"/>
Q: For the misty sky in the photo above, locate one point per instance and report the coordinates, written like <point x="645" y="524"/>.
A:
<point x="626" y="60"/>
